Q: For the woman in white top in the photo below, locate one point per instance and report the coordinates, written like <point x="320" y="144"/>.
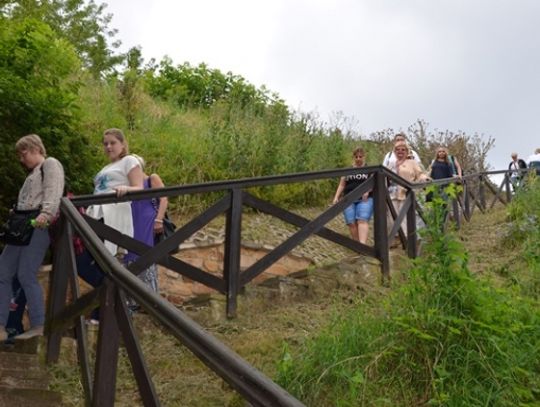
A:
<point x="123" y="174"/>
<point x="389" y="160"/>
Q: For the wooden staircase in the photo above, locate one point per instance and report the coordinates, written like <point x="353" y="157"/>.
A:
<point x="24" y="379"/>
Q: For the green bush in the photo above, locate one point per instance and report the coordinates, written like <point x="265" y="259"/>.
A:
<point x="444" y="337"/>
<point x="39" y="85"/>
<point x="524" y="235"/>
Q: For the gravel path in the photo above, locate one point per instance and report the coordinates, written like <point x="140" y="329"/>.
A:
<point x="262" y="230"/>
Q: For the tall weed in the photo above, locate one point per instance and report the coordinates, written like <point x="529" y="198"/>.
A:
<point x="524" y="234"/>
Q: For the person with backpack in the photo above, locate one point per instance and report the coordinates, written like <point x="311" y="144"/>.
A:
<point x="515" y="167"/>
<point x="39" y="197"/>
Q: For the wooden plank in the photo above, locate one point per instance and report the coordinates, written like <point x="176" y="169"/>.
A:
<point x="107" y="349"/>
<point x="58" y="285"/>
<point x="219" y="186"/>
<point x="80" y="325"/>
<point x="231" y="261"/>
<point x="497" y="194"/>
<point x="399" y="219"/>
<point x="138" y="364"/>
<point x="295" y="239"/>
<point x="380" y="224"/>
<point x="299" y="221"/>
<point x="411" y="225"/>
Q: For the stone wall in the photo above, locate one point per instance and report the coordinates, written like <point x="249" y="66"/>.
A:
<point x="178" y="289"/>
<point x="208" y="257"/>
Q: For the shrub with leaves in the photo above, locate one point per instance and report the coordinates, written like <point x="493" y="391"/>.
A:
<point x="524" y="234"/>
<point x="444" y="337"/>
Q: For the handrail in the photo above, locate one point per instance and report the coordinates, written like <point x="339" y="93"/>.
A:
<point x="248" y="381"/>
<point x="215" y="186"/>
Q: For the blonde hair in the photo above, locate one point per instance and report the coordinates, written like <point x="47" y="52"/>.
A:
<point x="400" y="135"/>
<point x="402" y="144"/>
<point x="447" y="159"/>
<point x="119" y="135"/>
<point x="30" y="142"/>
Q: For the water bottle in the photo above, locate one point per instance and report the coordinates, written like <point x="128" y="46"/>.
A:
<point x="34" y="223"/>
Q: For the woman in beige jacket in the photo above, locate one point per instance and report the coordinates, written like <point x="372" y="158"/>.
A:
<point x="407" y="169"/>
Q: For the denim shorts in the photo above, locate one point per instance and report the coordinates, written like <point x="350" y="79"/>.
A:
<point x="360" y="210"/>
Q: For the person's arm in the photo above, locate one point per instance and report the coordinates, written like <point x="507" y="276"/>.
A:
<point x="52" y="174"/>
<point x="339" y="190"/>
<point x="135" y="178"/>
<point x="420" y="174"/>
<point x="458" y="167"/>
<point x="157" y="182"/>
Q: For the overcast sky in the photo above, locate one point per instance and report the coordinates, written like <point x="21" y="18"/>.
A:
<point x="471" y="65"/>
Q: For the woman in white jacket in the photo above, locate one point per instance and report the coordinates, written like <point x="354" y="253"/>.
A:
<point x="123" y="174"/>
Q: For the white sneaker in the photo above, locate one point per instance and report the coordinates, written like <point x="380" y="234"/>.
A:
<point x="31" y="333"/>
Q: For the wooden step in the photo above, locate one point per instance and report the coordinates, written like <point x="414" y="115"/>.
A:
<point x="29" y="397"/>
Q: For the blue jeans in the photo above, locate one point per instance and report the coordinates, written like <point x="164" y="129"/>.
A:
<point x="359" y="210"/>
<point x="24" y="262"/>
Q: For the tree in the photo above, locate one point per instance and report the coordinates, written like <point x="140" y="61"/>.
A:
<point x="83" y="23"/>
<point x="38" y="93"/>
<point x="200" y="86"/>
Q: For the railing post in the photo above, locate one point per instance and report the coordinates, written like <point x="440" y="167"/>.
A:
<point x="411" y="226"/>
<point x="507" y="187"/>
<point x="231" y="267"/>
<point x="107" y="349"/>
<point x="380" y="225"/>
<point x="466" y="200"/>
<point x="58" y="283"/>
<point x="457" y="215"/>
<point x="482" y="192"/>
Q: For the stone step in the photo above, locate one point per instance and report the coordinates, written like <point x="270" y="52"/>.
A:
<point x="29" y="397"/>
<point x="35" y="381"/>
<point x="22" y="346"/>
<point x="21" y="361"/>
<point x="21" y="370"/>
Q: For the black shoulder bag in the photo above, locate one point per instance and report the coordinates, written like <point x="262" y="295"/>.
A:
<point x="18" y="229"/>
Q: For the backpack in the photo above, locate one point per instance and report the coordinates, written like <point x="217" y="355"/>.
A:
<point x="453" y="164"/>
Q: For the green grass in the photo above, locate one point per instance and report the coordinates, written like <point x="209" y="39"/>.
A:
<point x="454" y="329"/>
<point x="445" y="336"/>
